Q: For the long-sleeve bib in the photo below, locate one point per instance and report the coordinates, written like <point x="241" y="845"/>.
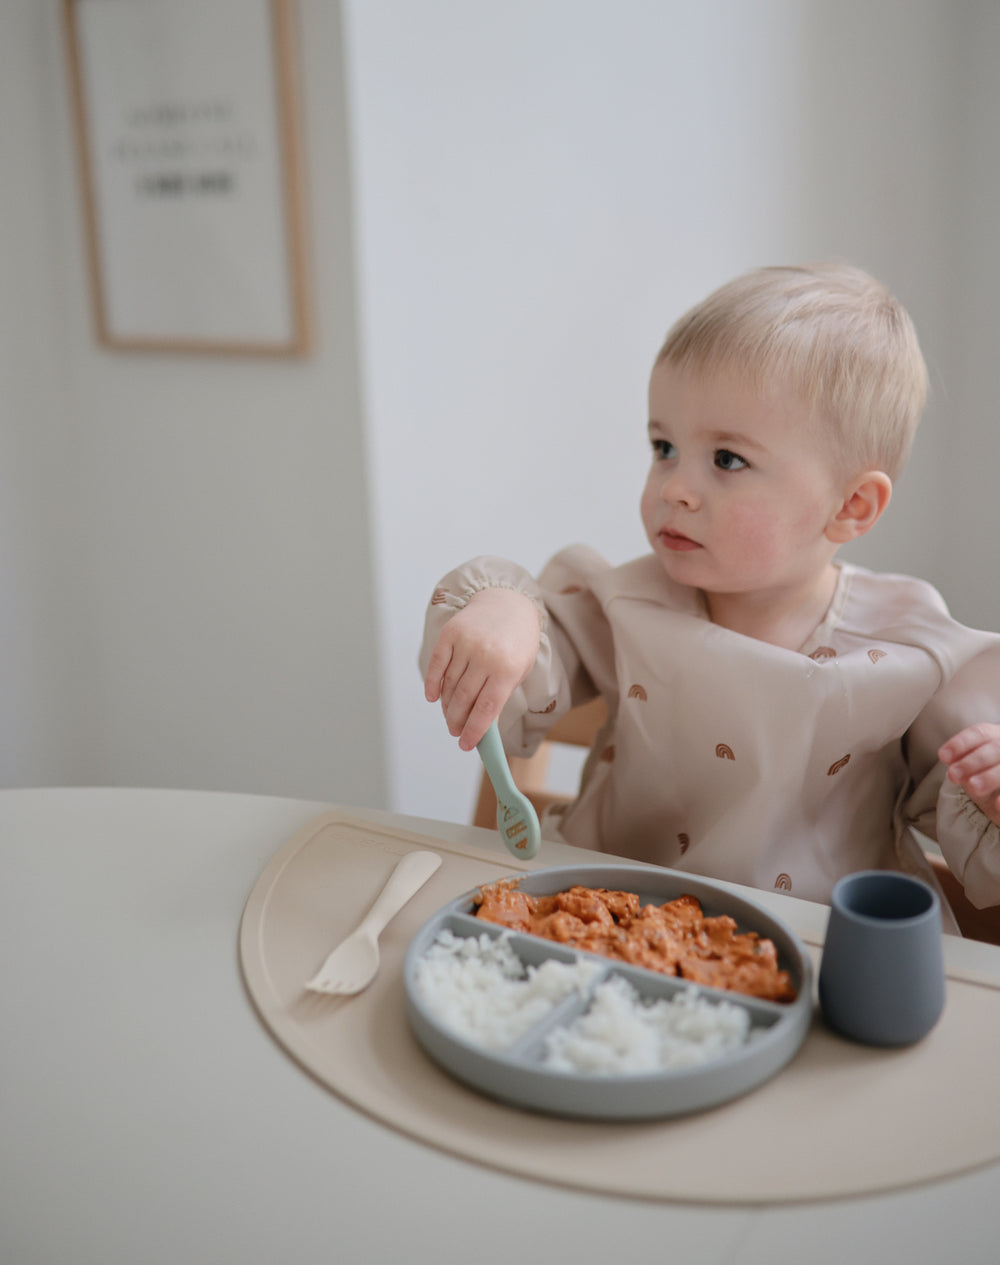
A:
<point x="739" y="760"/>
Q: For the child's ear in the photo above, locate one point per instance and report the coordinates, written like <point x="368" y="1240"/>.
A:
<point x="864" y="503"/>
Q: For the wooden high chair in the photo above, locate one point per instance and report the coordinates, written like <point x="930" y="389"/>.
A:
<point x="975" y="924"/>
<point x="579" y="728"/>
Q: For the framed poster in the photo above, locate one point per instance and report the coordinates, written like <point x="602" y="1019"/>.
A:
<point x="191" y="171"/>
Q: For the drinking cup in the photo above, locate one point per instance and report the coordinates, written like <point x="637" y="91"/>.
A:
<point x="881" y="978"/>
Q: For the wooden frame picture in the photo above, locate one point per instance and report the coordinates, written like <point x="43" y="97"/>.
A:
<point x="191" y="172"/>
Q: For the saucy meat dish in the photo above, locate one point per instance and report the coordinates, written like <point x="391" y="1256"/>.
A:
<point x="675" y="938"/>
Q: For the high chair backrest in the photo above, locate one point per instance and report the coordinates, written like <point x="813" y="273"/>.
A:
<point x="579" y="728"/>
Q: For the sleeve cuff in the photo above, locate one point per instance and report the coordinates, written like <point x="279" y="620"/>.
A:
<point x="970" y="842"/>
<point x="459" y="587"/>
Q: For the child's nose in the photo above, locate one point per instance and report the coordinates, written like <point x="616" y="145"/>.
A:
<point x="678" y="489"/>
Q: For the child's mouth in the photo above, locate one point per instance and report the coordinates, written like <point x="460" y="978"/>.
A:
<point x="679" y="544"/>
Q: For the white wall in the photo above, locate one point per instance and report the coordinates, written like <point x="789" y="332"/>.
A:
<point x="968" y="503"/>
<point x="187" y="582"/>
<point x="213" y="572"/>
<point x="541" y="187"/>
<point x="41" y="727"/>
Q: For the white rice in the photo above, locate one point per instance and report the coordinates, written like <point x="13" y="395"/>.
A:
<point x="621" y="1034"/>
<point x="478" y="988"/>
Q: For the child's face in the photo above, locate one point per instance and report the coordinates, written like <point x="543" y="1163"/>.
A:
<point x="740" y="491"/>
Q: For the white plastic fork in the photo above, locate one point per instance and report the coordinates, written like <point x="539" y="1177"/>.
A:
<point x="353" y="964"/>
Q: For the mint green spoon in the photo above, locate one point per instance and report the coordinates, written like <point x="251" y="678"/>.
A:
<point x="517" y="820"/>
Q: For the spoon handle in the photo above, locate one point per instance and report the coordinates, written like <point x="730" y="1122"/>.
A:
<point x="494" y="760"/>
<point x="517" y="820"/>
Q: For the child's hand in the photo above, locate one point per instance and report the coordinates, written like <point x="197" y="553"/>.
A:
<point x="483" y="654"/>
<point x="973" y="760"/>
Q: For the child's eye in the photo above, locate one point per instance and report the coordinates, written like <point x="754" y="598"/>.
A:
<point x="726" y="460"/>
<point x="663" y="449"/>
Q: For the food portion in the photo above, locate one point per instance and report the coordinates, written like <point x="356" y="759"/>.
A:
<point x="478" y="988"/>
<point x="675" y="938"/>
<point x="621" y="1033"/>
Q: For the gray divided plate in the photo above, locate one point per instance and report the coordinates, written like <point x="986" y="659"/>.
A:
<point x="517" y="1077"/>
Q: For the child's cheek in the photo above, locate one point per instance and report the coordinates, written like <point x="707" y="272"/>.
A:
<point x="648" y="506"/>
<point x="757" y="535"/>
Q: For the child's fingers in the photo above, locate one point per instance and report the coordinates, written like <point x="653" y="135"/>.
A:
<point x="977" y="761"/>
<point x="475" y="703"/>
<point x="487" y="708"/>
<point x="972" y="773"/>
<point x="954" y="748"/>
<point x="973" y="761"/>
<point x="459" y="697"/>
<point x="437" y="666"/>
<point x="967" y="741"/>
<point x="984" y="782"/>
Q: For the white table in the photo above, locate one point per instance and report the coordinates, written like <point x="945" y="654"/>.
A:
<point x="147" y="1116"/>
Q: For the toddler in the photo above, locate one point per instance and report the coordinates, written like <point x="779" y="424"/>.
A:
<point x="776" y="717"/>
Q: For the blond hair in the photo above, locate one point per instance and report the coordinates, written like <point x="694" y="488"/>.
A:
<point x="835" y="334"/>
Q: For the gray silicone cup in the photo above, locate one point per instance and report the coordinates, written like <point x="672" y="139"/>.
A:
<point x="881" y="978"/>
<point x="517" y="1077"/>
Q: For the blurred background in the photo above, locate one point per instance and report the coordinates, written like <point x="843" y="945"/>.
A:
<point x="213" y="570"/>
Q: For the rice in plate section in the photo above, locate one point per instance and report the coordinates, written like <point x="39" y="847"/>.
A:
<point x="557" y="1029"/>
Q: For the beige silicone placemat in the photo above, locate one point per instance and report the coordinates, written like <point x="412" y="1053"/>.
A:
<point x="840" y="1120"/>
